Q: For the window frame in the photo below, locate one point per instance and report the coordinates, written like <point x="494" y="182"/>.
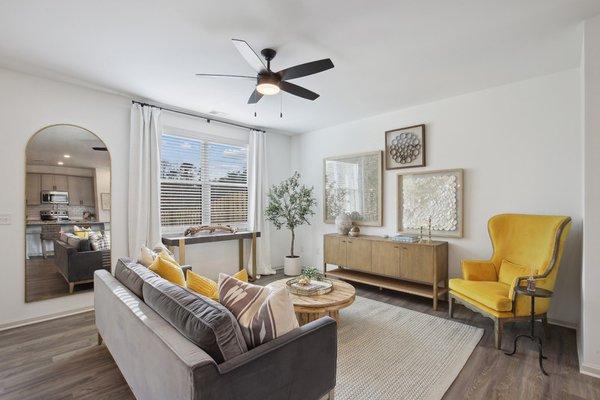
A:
<point x="205" y="184"/>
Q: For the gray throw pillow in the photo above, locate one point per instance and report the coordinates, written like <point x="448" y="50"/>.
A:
<point x="132" y="275"/>
<point x="201" y="320"/>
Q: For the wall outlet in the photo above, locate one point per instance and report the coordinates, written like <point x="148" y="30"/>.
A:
<point x="5" y="219"/>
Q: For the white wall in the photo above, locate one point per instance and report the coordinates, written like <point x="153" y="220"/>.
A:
<point x="589" y="344"/>
<point x="28" y="104"/>
<point x="520" y="146"/>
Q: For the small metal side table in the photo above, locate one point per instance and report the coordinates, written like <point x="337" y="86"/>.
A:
<point x="539" y="292"/>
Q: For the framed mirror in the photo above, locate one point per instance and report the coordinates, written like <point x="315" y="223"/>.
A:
<point x="353" y="185"/>
<point x="67" y="211"/>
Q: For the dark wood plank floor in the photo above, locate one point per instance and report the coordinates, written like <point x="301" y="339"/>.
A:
<point x="43" y="281"/>
<point x="59" y="359"/>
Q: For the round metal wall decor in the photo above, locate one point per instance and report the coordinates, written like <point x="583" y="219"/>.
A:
<point x="405" y="148"/>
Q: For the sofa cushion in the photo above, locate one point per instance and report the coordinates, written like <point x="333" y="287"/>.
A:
<point x="204" y="322"/>
<point x="491" y="294"/>
<point x="132" y="275"/>
<point x="263" y="314"/>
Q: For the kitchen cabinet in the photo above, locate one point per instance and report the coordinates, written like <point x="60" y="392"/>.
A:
<point x="33" y="188"/>
<point x="55" y="183"/>
<point x="81" y="191"/>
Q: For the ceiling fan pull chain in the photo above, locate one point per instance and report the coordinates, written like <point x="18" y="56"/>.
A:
<point x="281" y="106"/>
<point x="254" y="110"/>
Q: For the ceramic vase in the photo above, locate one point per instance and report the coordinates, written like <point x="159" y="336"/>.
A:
<point x="343" y="223"/>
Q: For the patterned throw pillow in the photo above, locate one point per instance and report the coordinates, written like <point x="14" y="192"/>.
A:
<point x="100" y="242"/>
<point x="263" y="314"/>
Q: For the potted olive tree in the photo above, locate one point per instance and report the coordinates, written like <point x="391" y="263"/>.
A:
<point x="290" y="205"/>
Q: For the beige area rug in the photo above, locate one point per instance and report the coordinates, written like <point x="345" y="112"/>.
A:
<point x="388" y="352"/>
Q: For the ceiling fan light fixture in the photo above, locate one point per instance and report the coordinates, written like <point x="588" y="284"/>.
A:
<point x="268" y="89"/>
<point x="268" y="85"/>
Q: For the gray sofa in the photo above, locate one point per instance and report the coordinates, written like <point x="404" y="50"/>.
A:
<point x="159" y="361"/>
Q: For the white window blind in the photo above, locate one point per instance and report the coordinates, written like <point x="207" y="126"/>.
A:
<point x="202" y="182"/>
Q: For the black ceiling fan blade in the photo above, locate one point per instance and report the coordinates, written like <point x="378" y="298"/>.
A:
<point x="249" y="55"/>
<point x="225" y="76"/>
<point x="298" y="90"/>
<point x="309" y="68"/>
<point x="255" y="97"/>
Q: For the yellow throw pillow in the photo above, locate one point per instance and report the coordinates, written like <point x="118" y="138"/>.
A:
<point x="168" y="270"/>
<point x="201" y="285"/>
<point x="510" y="271"/>
<point x="168" y="256"/>
<point x="208" y="287"/>
<point x="82" y="234"/>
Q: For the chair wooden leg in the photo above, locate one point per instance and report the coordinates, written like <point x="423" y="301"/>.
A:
<point x="71" y="287"/>
<point x="498" y="330"/>
<point x="546" y="326"/>
<point x="451" y="306"/>
<point x="44" y="255"/>
<point x="99" y="339"/>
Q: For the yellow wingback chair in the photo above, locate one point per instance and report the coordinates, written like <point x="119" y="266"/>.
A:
<point x="522" y="245"/>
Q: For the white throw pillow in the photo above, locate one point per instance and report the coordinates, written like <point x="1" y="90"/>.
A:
<point x="263" y="314"/>
<point x="146" y="257"/>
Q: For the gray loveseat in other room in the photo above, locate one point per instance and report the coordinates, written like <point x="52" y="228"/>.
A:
<point x="162" y="360"/>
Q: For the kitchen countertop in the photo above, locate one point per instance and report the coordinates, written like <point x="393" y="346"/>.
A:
<point x="34" y="222"/>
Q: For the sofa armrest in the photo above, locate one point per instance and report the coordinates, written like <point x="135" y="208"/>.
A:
<point x="301" y="365"/>
<point x="479" y="270"/>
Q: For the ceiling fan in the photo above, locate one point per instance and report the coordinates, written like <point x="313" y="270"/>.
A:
<point x="269" y="82"/>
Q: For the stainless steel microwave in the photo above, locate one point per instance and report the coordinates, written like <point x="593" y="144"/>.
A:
<point x="51" y="197"/>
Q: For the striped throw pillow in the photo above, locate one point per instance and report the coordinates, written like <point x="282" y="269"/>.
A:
<point x="263" y="314"/>
<point x="100" y="243"/>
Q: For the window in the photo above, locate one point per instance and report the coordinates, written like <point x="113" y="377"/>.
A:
<point x="203" y="181"/>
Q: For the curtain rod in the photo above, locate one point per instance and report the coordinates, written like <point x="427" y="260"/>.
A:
<point x="208" y="120"/>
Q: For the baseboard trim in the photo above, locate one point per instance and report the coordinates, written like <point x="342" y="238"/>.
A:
<point x="35" y="320"/>
<point x="591" y="370"/>
<point x="564" y="324"/>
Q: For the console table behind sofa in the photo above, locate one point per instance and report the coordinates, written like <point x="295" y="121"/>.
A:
<point x="180" y="241"/>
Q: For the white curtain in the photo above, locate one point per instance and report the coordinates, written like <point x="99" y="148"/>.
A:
<point x="258" y="186"/>
<point x="144" y="179"/>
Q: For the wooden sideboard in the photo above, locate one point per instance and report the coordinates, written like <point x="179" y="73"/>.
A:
<point x="416" y="268"/>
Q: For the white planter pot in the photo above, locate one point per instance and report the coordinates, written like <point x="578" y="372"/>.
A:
<point x="292" y="266"/>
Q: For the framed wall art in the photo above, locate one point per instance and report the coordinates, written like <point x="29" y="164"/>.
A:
<point x="405" y="147"/>
<point x="353" y="184"/>
<point x="434" y="194"/>
<point x="105" y="201"/>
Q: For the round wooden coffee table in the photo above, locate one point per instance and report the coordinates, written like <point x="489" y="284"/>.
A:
<point x="310" y="308"/>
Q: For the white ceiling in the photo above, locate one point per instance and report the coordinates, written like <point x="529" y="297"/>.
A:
<point x="49" y="146"/>
<point x="387" y="54"/>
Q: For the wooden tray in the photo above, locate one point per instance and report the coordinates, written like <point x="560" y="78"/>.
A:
<point x="315" y="288"/>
